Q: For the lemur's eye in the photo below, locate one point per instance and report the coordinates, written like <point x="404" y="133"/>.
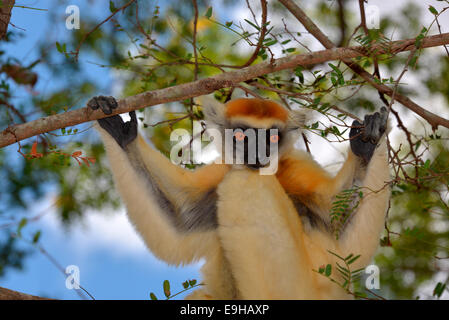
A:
<point x="274" y="138"/>
<point x="239" y="136"/>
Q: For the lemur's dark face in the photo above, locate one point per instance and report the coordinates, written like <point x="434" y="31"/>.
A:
<point x="254" y="131"/>
<point x="255" y="147"/>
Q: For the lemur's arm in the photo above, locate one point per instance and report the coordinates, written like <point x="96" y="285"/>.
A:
<point x="361" y="234"/>
<point x="173" y="209"/>
<point x="366" y="167"/>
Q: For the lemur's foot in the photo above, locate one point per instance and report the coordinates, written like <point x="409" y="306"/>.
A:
<point x="365" y="136"/>
<point x="122" y="132"/>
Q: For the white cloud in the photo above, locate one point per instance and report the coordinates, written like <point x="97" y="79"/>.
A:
<point x="96" y="231"/>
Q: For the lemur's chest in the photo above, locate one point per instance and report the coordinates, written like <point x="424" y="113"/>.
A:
<point x="248" y="199"/>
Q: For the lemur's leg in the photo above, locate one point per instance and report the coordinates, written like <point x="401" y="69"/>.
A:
<point x="361" y="234"/>
<point x="176" y="221"/>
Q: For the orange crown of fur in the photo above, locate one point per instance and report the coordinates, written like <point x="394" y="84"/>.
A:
<point x="256" y="108"/>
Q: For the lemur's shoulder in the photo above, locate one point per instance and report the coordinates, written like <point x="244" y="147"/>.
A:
<point x="300" y="175"/>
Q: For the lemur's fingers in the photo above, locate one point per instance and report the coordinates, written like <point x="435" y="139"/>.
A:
<point x="92" y="103"/>
<point x="133" y="117"/>
<point x="361" y="148"/>
<point x="365" y="136"/>
<point x="376" y="125"/>
<point x="383" y="119"/>
<point x="367" y="127"/>
<point x="356" y="128"/>
<point x="372" y="128"/>
<point x="106" y="104"/>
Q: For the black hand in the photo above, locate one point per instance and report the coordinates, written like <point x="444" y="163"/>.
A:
<point x="365" y="136"/>
<point x="106" y="104"/>
<point x="122" y="132"/>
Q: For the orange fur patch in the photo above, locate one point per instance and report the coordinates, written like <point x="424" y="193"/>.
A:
<point x="257" y="108"/>
<point x="302" y="177"/>
<point x="208" y="176"/>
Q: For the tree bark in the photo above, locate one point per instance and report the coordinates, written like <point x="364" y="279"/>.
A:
<point x="5" y="16"/>
<point x="7" y="294"/>
<point x="20" y="132"/>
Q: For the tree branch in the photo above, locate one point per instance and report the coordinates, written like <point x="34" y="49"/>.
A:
<point x="200" y="87"/>
<point x="7" y="294"/>
<point x="433" y="119"/>
<point x="5" y="16"/>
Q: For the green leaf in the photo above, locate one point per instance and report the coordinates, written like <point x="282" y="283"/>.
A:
<point x="153" y="296"/>
<point x="358" y="270"/>
<point x="36" y="236"/>
<point x="252" y="24"/>
<point x="439" y="289"/>
<point x="270" y="43"/>
<point x="166" y="286"/>
<point x="112" y="7"/>
<point x="341" y="79"/>
<point x="208" y="13"/>
<point x="59" y="47"/>
<point x="298" y="73"/>
<point x="353" y="259"/>
<point x="328" y="270"/>
<point x="22" y="224"/>
<point x="334" y="81"/>
<point x="192" y="282"/>
<point x="335" y="255"/>
<point x="344" y="271"/>
<point x="433" y="10"/>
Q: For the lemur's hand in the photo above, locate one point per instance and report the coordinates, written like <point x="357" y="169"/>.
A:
<point x="365" y="136"/>
<point x="123" y="132"/>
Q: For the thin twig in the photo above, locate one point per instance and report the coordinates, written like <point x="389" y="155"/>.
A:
<point x="77" y="50"/>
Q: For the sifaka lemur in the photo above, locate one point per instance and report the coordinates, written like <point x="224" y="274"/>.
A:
<point x="261" y="236"/>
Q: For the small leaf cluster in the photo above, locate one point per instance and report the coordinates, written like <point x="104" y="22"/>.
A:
<point x="346" y="202"/>
<point x="187" y="285"/>
<point x="347" y="277"/>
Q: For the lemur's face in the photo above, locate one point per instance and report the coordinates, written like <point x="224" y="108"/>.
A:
<point x="255" y="132"/>
<point x="255" y="147"/>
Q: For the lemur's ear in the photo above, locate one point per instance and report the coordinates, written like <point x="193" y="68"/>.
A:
<point x="297" y="118"/>
<point x="214" y="111"/>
